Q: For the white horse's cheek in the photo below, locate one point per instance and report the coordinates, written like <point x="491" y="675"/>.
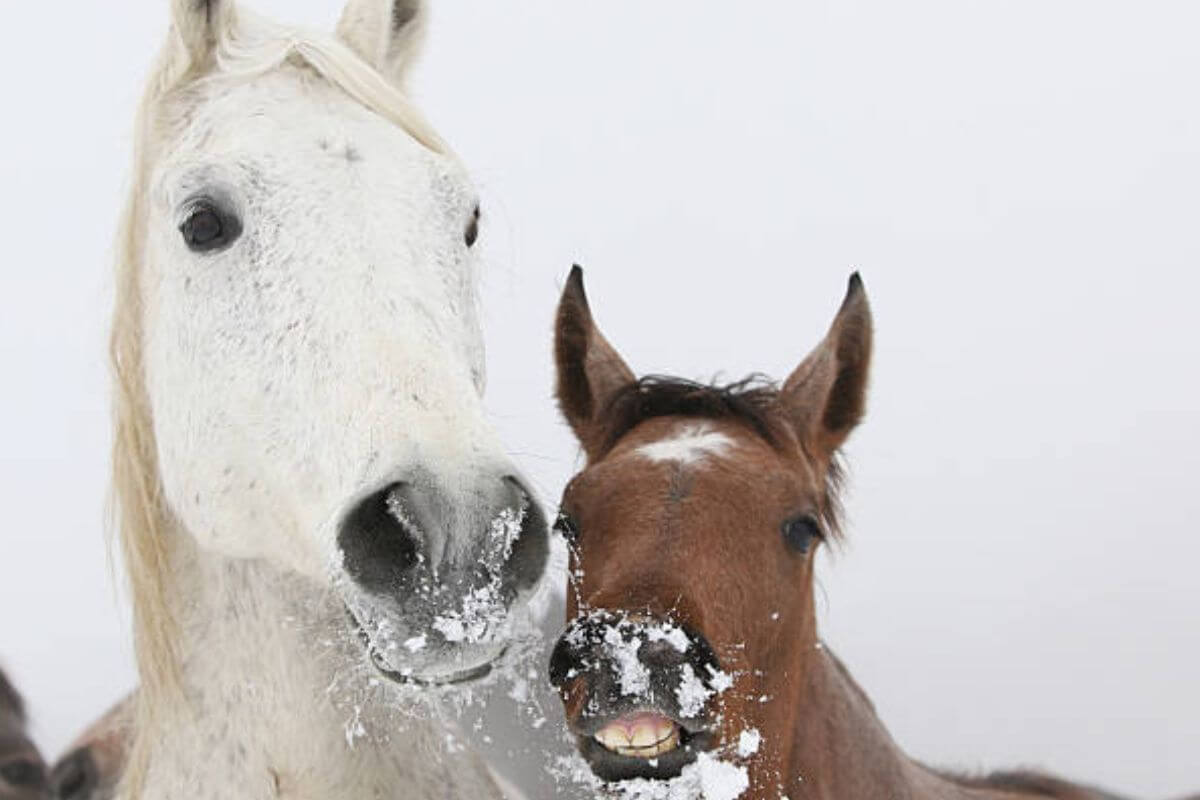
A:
<point x="212" y="444"/>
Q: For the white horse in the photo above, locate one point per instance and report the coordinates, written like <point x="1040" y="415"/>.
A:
<point x="317" y="520"/>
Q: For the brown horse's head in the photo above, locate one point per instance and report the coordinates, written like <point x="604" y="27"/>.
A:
<point x="22" y="770"/>
<point x="692" y="531"/>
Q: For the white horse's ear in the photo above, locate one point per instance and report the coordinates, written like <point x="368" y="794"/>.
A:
<point x="387" y="33"/>
<point x="198" y="25"/>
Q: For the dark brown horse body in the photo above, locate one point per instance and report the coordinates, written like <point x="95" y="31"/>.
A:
<point x="692" y="637"/>
<point x="22" y="770"/>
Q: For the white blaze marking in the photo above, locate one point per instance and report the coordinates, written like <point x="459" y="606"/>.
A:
<point x="692" y="443"/>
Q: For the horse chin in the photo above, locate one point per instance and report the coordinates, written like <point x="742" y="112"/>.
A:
<point x="418" y="661"/>
<point x="451" y="668"/>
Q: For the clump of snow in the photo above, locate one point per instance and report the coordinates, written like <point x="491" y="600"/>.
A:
<point x="721" y="682"/>
<point x="520" y="691"/>
<point x="708" y="778"/>
<point x="395" y="508"/>
<point x="505" y="529"/>
<point x="669" y="633"/>
<point x="632" y="675"/>
<point x="482" y="611"/>
<point x="354" y="728"/>
<point x="691" y="692"/>
<point x="749" y="741"/>
<point x="720" y="780"/>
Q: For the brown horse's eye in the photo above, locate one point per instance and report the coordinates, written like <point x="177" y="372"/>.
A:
<point x="801" y="533"/>
<point x="472" y="233"/>
<point x="565" y="527"/>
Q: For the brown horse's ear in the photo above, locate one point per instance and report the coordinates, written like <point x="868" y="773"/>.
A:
<point x="827" y="394"/>
<point x="590" y="372"/>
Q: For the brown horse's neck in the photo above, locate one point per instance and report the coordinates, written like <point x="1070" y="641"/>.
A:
<point x="832" y="744"/>
<point x="836" y="747"/>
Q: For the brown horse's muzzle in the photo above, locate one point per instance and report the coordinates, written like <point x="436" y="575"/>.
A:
<point x="637" y="693"/>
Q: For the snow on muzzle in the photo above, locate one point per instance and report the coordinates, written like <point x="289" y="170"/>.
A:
<point x="436" y="579"/>
<point x="637" y="692"/>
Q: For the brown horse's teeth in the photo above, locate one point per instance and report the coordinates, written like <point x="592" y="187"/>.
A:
<point x="647" y="738"/>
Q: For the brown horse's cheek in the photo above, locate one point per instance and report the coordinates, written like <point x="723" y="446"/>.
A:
<point x="739" y="713"/>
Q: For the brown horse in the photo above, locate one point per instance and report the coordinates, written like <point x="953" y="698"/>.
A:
<point x="22" y="770"/>
<point x="691" y="664"/>
<point x="94" y="762"/>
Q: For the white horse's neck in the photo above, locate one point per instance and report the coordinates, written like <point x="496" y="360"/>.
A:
<point x="283" y="706"/>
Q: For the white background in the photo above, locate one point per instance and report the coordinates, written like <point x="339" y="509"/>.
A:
<point x="1019" y="183"/>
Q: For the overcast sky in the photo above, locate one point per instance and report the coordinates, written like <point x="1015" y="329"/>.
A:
<point x="1017" y="180"/>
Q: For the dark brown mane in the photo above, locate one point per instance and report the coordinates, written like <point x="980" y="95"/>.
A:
<point x="10" y="700"/>
<point x="753" y="400"/>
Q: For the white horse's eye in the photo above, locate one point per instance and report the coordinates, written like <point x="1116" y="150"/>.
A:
<point x="209" y="228"/>
<point x="472" y="233"/>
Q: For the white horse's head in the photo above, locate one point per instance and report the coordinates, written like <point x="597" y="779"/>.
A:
<point x="296" y="339"/>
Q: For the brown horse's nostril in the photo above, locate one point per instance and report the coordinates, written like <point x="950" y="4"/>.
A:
<point x="75" y="776"/>
<point x="661" y="654"/>
<point x="564" y="660"/>
<point x="587" y="647"/>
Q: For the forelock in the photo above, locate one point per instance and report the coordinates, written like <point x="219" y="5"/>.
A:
<point x="752" y="401"/>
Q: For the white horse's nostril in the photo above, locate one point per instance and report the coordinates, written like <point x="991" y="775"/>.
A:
<point x="529" y="549"/>
<point x="381" y="540"/>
